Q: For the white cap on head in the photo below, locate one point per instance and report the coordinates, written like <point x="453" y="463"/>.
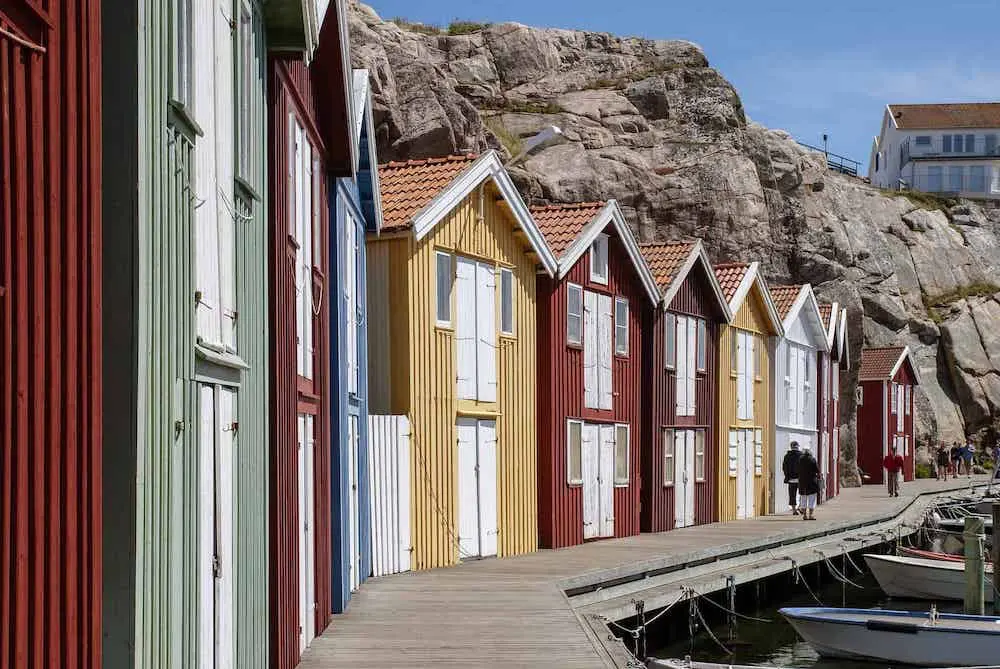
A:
<point x="806" y="449"/>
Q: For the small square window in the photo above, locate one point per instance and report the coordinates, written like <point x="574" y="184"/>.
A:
<point x="923" y="140"/>
<point x="621" y="326"/>
<point x="621" y="455"/>
<point x="702" y="345"/>
<point x="445" y="275"/>
<point x="574" y="452"/>
<point x="506" y="302"/>
<point x="670" y="341"/>
<point x="574" y="314"/>
<point x="668" y="457"/>
<point x="599" y="260"/>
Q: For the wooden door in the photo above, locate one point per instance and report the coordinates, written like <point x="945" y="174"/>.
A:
<point x="487" y="486"/>
<point x="591" y="493"/>
<point x="468" y="493"/>
<point x="606" y="481"/>
<point x="353" y="512"/>
<point x="683" y="478"/>
<point x="307" y="541"/>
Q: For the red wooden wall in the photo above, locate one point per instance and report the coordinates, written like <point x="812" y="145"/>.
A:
<point x="560" y="396"/>
<point x="694" y="298"/>
<point x="50" y="334"/>
<point x="290" y="91"/>
<point x="871" y="426"/>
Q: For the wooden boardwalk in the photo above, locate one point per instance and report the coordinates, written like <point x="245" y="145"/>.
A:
<point x="513" y="612"/>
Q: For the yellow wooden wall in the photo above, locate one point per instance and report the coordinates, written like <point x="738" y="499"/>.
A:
<point x="751" y="317"/>
<point x="426" y="371"/>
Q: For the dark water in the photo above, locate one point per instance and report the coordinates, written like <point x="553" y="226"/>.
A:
<point x="775" y="643"/>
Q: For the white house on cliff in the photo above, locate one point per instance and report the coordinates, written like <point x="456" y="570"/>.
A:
<point x="939" y="148"/>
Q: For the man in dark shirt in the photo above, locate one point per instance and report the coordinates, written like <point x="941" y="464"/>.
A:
<point x="790" y="468"/>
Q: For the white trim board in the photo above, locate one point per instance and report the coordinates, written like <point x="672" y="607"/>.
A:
<point x="610" y="214"/>
<point x="815" y="318"/>
<point x="753" y="274"/>
<point x="698" y="254"/>
<point x="482" y="168"/>
<point x="363" y="120"/>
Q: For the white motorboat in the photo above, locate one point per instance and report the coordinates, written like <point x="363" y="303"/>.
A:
<point x="922" y="578"/>
<point x="899" y="637"/>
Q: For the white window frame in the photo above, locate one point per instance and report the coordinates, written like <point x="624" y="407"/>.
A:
<point x="507" y="284"/>
<point x="699" y="456"/>
<point x="246" y="40"/>
<point x="701" y="361"/>
<point x="302" y="228"/>
<point x="182" y="71"/>
<point x="758" y="452"/>
<point x="438" y="255"/>
<point x="667" y="437"/>
<point x="907" y="398"/>
<point x="733" y="453"/>
<point x="621" y="328"/>
<point x="670" y="341"/>
<point x="601" y="242"/>
<point x="570" y="480"/>
<point x="353" y="305"/>
<point x="623" y="482"/>
<point x="570" y="314"/>
<point x="893" y="399"/>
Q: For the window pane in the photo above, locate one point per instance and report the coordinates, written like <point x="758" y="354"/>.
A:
<point x="970" y="143"/>
<point x="621" y="455"/>
<point x="506" y="301"/>
<point x="934" y="179"/>
<point x="734" y="338"/>
<point x="670" y="334"/>
<point x="702" y="345"/>
<point x="946" y="144"/>
<point x="699" y="455"/>
<point x="668" y="457"/>
<point x="444" y="278"/>
<point x="923" y="140"/>
<point x="955" y="175"/>
<point x="621" y="327"/>
<point x="574" y="314"/>
<point x="574" y="456"/>
<point x="599" y="259"/>
<point x="956" y="142"/>
<point x="977" y="179"/>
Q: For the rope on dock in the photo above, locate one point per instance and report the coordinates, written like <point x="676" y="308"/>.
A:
<point x="800" y="578"/>
<point x="837" y="574"/>
<point x="854" y="564"/>
<point x="635" y="633"/>
<point x="695" y="593"/>
<point x="708" y="630"/>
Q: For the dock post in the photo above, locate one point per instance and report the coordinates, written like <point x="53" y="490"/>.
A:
<point x="974" y="571"/>
<point x="996" y="559"/>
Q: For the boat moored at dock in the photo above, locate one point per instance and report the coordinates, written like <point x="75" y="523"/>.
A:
<point x="921" y="578"/>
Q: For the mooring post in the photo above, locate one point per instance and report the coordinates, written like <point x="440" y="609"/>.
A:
<point x="640" y="643"/>
<point x="731" y="587"/>
<point x="996" y="559"/>
<point x="974" y="576"/>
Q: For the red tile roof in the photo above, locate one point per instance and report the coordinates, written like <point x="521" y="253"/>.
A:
<point x="730" y="276"/>
<point x="784" y="297"/>
<point x="666" y="259"/>
<point x="825" y="311"/>
<point x="877" y="363"/>
<point x="949" y="115"/>
<point x="562" y="223"/>
<point x="407" y="187"/>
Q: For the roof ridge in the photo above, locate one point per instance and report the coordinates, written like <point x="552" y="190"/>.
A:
<point x="567" y="205"/>
<point x="438" y="160"/>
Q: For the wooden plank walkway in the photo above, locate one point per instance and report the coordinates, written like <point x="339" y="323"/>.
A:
<point x="513" y="612"/>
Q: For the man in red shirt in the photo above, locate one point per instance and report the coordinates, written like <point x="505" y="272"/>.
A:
<point x="893" y="464"/>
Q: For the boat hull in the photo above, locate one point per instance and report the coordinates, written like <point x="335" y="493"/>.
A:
<point x="920" y="578"/>
<point x="898" y="637"/>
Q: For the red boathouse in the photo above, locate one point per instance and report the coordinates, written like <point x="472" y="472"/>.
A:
<point x="680" y="343"/>
<point x="589" y="373"/>
<point x="885" y="409"/>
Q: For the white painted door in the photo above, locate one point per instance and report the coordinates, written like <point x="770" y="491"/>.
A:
<point x="353" y="518"/>
<point x="681" y="367"/>
<point x="683" y="478"/>
<point x="591" y="362"/>
<point x="486" y="334"/>
<point x="307" y="541"/>
<point x="589" y="440"/>
<point x="465" y="328"/>
<point x="824" y="461"/>
<point x="744" y="474"/>
<point x="606" y="479"/>
<point x="605" y="332"/>
<point x="477" y="487"/>
<point x="225" y="445"/>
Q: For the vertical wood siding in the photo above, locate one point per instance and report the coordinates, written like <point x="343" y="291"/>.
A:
<point x="290" y="91"/>
<point x="50" y="333"/>
<point x="561" y="396"/>
<point x="694" y="298"/>
<point x="421" y="379"/>
<point x="873" y="419"/>
<point x="751" y="317"/>
<point x="905" y="376"/>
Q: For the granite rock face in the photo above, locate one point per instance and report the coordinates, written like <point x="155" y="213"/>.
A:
<point x="651" y="124"/>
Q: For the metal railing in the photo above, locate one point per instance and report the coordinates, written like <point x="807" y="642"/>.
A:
<point x="952" y="146"/>
<point x="836" y="162"/>
<point x="967" y="180"/>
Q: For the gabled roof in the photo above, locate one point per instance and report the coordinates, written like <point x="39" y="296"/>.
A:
<point x="570" y="229"/>
<point x="671" y="262"/>
<point x="737" y="279"/>
<point x="799" y="301"/>
<point x="364" y="126"/>
<point x="828" y="313"/>
<point x="418" y="194"/>
<point x="945" y="116"/>
<point x="843" y="344"/>
<point x="882" y="364"/>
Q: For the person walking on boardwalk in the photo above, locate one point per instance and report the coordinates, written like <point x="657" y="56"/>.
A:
<point x="809" y="478"/>
<point x="942" y="462"/>
<point x="893" y="464"/>
<point x="956" y="459"/>
<point x="967" y="454"/>
<point x="996" y="458"/>
<point x="790" y="468"/>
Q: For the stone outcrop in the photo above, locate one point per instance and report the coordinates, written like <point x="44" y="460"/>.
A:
<point x="650" y="123"/>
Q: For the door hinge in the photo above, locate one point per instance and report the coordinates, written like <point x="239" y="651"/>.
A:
<point x="216" y="567"/>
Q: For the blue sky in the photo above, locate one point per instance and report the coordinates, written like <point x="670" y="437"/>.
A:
<point x="807" y="67"/>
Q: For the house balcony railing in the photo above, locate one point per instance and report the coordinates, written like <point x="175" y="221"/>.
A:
<point x="950" y="147"/>
<point x="967" y="181"/>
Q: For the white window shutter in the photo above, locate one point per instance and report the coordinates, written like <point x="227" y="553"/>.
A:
<point x="486" y="333"/>
<point x="605" y="326"/>
<point x="351" y="294"/>
<point x="692" y="362"/>
<point x="741" y="374"/>
<point x="465" y="328"/>
<point x="590" y="351"/>
<point x="750" y="350"/>
<point x="670" y="341"/>
<point x="227" y="280"/>
<point x="681" y="367"/>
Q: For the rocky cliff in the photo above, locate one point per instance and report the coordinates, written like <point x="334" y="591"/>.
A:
<point x="652" y="125"/>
